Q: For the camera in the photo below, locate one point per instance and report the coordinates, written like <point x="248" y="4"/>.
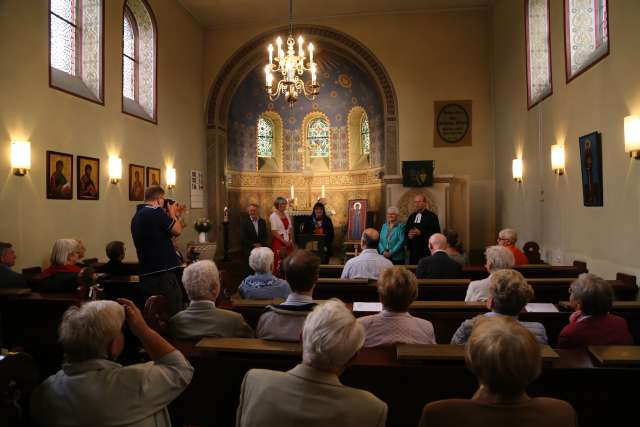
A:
<point x="168" y="202"/>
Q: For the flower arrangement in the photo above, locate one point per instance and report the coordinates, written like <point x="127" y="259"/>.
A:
<point x="202" y="225"/>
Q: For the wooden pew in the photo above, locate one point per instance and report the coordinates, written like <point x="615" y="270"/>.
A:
<point x="546" y="289"/>
<point x="599" y="395"/>
<point x="449" y="352"/>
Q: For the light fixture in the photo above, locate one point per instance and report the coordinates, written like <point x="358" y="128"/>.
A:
<point x="171" y="178"/>
<point x="290" y="66"/>
<point x="632" y="136"/>
<point x="115" y="169"/>
<point x="20" y="157"/>
<point x="517" y="170"/>
<point x="557" y="158"/>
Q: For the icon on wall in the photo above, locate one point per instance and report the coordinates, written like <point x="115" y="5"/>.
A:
<point x="59" y="175"/>
<point x="591" y="166"/>
<point x="88" y="178"/>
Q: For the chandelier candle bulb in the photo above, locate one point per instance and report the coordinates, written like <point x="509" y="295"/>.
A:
<point x="300" y="49"/>
<point x="270" y="54"/>
<point x="311" y="53"/>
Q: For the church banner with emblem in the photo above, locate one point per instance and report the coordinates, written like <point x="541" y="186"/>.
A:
<point x="452" y="123"/>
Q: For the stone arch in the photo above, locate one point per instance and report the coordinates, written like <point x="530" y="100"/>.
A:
<point x="253" y="53"/>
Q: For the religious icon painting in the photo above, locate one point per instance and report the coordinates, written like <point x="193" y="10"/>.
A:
<point x="591" y="167"/>
<point x="59" y="175"/>
<point x="136" y="182"/>
<point x="153" y="176"/>
<point x="88" y="178"/>
<point x="357" y="219"/>
<point x="417" y="173"/>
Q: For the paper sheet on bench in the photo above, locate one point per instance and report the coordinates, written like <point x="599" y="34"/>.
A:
<point x="367" y="306"/>
<point x="540" y="307"/>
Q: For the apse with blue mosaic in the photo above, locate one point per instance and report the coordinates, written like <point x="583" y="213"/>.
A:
<point x="343" y="85"/>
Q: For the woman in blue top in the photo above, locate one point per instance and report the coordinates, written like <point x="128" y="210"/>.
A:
<point x="263" y="284"/>
<point x="392" y="237"/>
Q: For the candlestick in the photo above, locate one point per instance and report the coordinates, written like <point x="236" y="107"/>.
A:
<point x="292" y="193"/>
<point x="323" y="191"/>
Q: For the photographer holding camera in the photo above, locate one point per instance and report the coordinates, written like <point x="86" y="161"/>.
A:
<point x="152" y="228"/>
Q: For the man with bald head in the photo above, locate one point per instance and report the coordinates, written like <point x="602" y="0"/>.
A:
<point x="439" y="265"/>
<point x="420" y="226"/>
<point x="369" y="264"/>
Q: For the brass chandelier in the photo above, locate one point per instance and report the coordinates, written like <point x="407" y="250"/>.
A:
<point x="291" y="67"/>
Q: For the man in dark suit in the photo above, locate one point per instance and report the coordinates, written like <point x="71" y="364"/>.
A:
<point x="420" y="226"/>
<point x="8" y="277"/>
<point x="438" y="265"/>
<point x="253" y="232"/>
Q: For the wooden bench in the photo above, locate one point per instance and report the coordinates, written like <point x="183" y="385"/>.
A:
<point x="599" y="395"/>
<point x="449" y="352"/>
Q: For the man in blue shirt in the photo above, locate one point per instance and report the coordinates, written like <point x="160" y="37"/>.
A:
<point x="152" y="228"/>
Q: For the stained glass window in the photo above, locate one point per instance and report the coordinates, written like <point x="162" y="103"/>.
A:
<point x="538" y="51"/>
<point x="139" y="59"/>
<point x="128" y="58"/>
<point x="365" y="142"/>
<point x="63" y="35"/>
<point x="586" y="34"/>
<point x="318" y="137"/>
<point x="265" y="137"/>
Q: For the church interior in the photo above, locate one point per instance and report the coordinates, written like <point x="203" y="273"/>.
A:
<point x="501" y="115"/>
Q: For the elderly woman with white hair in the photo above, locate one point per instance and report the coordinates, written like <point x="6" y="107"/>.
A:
<point x="497" y="258"/>
<point x="202" y="318"/>
<point x="62" y="274"/>
<point x="508" y="238"/>
<point x="263" y="284"/>
<point x="391" y="244"/>
<point x="509" y="293"/>
<point x="505" y="358"/>
<point x="91" y="389"/>
<point x="311" y="394"/>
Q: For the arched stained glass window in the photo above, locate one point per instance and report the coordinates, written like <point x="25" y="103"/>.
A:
<point x="318" y="137"/>
<point x="365" y="142"/>
<point x="139" y="60"/>
<point x="265" y="137"/>
<point x="75" y="47"/>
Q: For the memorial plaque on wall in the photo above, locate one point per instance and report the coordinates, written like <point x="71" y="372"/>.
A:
<point x="452" y="123"/>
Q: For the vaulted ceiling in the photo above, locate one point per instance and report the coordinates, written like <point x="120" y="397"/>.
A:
<point x="223" y="13"/>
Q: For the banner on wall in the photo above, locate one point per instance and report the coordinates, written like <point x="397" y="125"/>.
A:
<point x="452" y="123"/>
<point x="197" y="189"/>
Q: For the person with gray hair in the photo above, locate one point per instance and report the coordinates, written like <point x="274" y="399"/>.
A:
<point x="253" y="232"/>
<point x="92" y="389"/>
<point x="8" y="277"/>
<point x="505" y="358"/>
<point x="509" y="293"/>
<point x="369" y="264"/>
<point x="282" y="239"/>
<point x="591" y="323"/>
<point x="391" y="244"/>
<point x="508" y="238"/>
<point x="439" y="265"/>
<point x="263" y="284"/>
<point x="311" y="394"/>
<point x="202" y="318"/>
<point x="497" y="258"/>
<point x="62" y="274"/>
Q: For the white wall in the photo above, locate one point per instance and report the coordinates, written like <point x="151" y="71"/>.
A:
<point x="53" y="120"/>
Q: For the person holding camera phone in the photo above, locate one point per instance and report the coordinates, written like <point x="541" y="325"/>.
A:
<point x="153" y="226"/>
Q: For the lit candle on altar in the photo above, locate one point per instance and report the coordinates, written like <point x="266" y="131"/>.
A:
<point x="323" y="191"/>
<point x="292" y="193"/>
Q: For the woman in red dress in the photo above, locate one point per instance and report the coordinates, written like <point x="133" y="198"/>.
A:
<point x="282" y="234"/>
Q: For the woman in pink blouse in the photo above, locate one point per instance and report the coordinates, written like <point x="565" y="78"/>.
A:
<point x="397" y="288"/>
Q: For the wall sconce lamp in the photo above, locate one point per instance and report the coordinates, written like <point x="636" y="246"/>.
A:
<point x="20" y="157"/>
<point x="632" y="136"/>
<point x="557" y="158"/>
<point x="516" y="168"/>
<point x="171" y="178"/>
<point x="115" y="169"/>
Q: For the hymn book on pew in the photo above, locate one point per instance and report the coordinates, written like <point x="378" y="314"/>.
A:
<point x="540" y="307"/>
<point x="369" y="307"/>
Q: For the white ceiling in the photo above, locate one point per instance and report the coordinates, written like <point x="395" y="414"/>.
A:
<point x="222" y="13"/>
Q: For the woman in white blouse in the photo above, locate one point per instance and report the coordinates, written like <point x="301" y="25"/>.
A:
<point x="281" y="233"/>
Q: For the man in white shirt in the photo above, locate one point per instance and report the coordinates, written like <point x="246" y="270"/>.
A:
<point x="369" y="264"/>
